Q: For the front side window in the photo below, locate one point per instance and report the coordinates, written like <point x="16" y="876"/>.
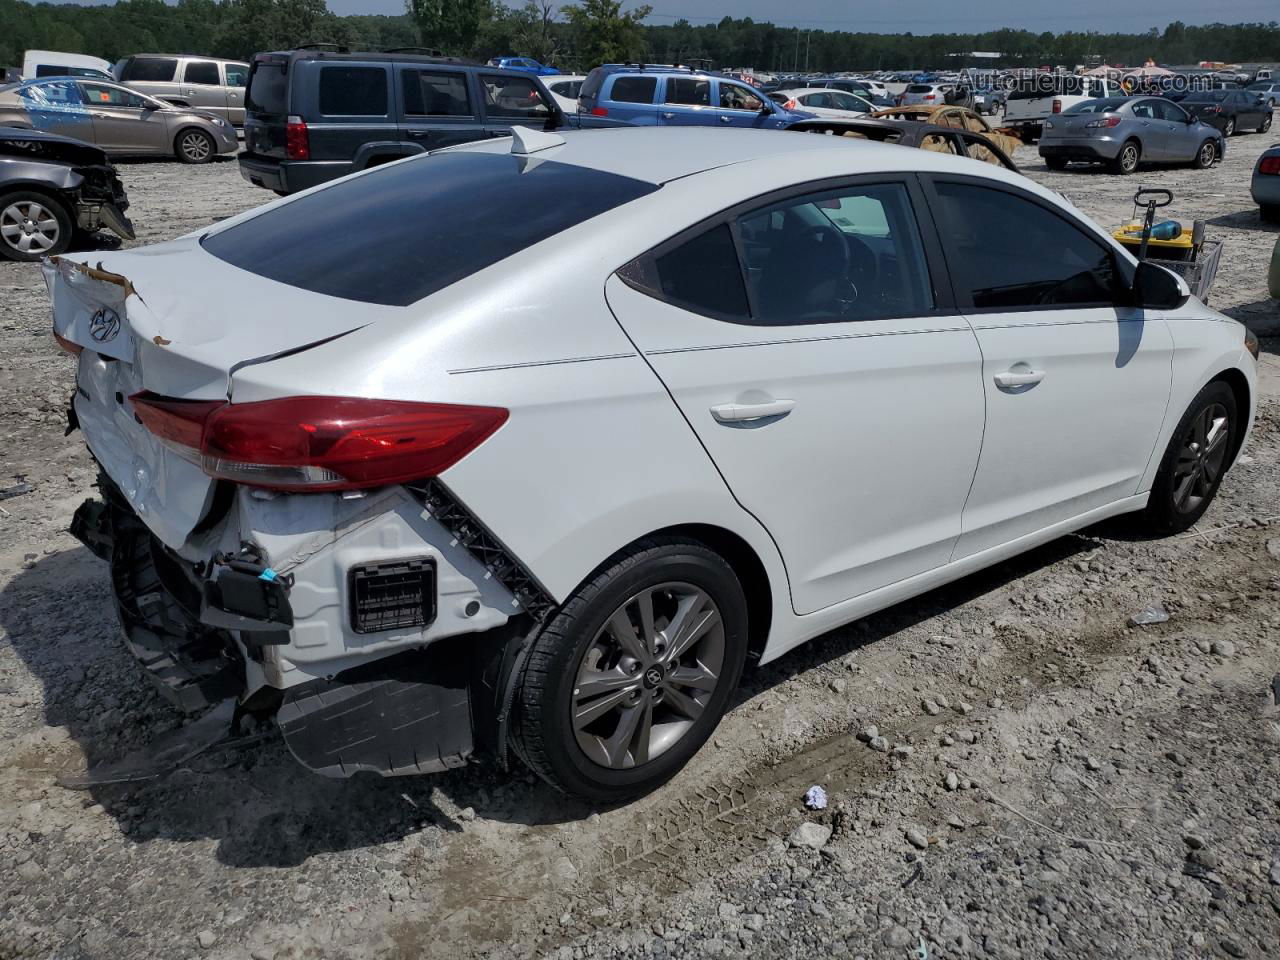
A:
<point x="734" y="97"/>
<point x="1171" y="111"/>
<point x="689" y="91"/>
<point x="435" y="93"/>
<point x="353" y="91"/>
<point x="1008" y="253"/>
<point x="516" y="97"/>
<point x="103" y="95"/>
<point x="203" y="72"/>
<point x="634" y="89"/>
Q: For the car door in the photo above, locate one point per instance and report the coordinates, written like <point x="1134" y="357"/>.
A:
<point x="1076" y="385"/>
<point x="1251" y="112"/>
<point x="237" y="78"/>
<point x="57" y="106"/>
<point x="437" y="109"/>
<point x="686" y="102"/>
<point x="1152" y="130"/>
<point x="1184" y="140"/>
<point x="810" y="343"/>
<point x="512" y="100"/>
<point x="740" y="106"/>
<point x="202" y="87"/>
<point x="125" y="122"/>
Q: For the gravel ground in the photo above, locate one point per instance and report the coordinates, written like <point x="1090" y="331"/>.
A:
<point x="1042" y="779"/>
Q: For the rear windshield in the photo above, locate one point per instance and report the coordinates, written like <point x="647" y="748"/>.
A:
<point x="268" y="88"/>
<point x="1098" y="106"/>
<point x="149" y="69"/>
<point x="401" y="233"/>
<point x="591" y="85"/>
<point x="919" y="88"/>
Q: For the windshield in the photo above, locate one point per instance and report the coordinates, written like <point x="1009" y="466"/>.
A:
<point x="403" y="232"/>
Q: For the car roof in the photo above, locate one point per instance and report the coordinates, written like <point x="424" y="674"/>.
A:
<point x="662" y="154"/>
<point x="181" y="56"/>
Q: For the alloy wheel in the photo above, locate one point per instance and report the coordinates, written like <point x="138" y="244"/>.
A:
<point x="1266" y="124"/>
<point x="1207" y="151"/>
<point x="1129" y="158"/>
<point x="1231" y="126"/>
<point x="648" y="675"/>
<point x="195" y="146"/>
<point x="29" y="227"/>
<point x="1201" y="453"/>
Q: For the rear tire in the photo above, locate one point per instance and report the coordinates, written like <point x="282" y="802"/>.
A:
<point x="1055" y="163"/>
<point x="1265" y="125"/>
<point x="1194" y="462"/>
<point x="33" y="226"/>
<point x="1205" y="156"/>
<point x="1229" y="130"/>
<point x="1126" y="161"/>
<point x="194" y="146"/>
<point x="1269" y="213"/>
<point x="597" y="722"/>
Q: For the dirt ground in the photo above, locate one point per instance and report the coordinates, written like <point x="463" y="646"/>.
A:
<point x="1054" y="782"/>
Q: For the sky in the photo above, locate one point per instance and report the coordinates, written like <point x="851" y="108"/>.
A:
<point x="917" y="16"/>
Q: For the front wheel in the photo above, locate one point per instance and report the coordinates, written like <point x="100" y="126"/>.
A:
<point x="33" y="226"/>
<point x="1205" y="156"/>
<point x="1266" y="124"/>
<point x="1194" y="462"/>
<point x="195" y="146"/>
<point x="628" y="680"/>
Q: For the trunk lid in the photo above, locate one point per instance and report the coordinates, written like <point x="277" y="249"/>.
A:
<point x="178" y="322"/>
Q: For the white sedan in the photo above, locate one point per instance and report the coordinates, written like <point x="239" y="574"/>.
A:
<point x="565" y="89"/>
<point x="566" y="431"/>
<point x="823" y="102"/>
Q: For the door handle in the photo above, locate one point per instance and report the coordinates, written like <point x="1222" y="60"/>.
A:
<point x="747" y="412"/>
<point x="1022" y="378"/>
<point x="103" y="116"/>
<point x="726" y="119"/>
<point x="668" y="116"/>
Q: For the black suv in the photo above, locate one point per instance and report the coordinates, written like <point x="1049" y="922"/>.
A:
<point x="313" y="115"/>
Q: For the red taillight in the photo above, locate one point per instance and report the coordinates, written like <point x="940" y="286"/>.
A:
<point x="1270" y="165"/>
<point x="72" y="348"/>
<point x="1057" y="105"/>
<point x="599" y="111"/>
<point x="320" y="443"/>
<point x="790" y="104"/>
<point x="297" y="143"/>
<point x="930" y="97"/>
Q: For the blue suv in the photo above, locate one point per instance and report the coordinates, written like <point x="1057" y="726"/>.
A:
<point x="657" y="95"/>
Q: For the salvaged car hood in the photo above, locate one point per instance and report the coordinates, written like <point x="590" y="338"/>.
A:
<point x="49" y="147"/>
<point x="185" y="320"/>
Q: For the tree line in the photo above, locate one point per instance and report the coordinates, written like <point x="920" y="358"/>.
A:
<point x="578" y="36"/>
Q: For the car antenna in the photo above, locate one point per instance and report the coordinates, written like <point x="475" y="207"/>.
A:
<point x="525" y="141"/>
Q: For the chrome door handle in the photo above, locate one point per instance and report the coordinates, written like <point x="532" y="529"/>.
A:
<point x="1019" y="379"/>
<point x="746" y="412"/>
<point x="726" y="119"/>
<point x="668" y="116"/>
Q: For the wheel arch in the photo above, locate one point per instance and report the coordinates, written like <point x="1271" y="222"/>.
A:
<point x="187" y="126"/>
<point x="1239" y="385"/>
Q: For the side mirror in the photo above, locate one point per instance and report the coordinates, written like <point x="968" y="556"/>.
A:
<point x="1156" y="288"/>
<point x="766" y="108"/>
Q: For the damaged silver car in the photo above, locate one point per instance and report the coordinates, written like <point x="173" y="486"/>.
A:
<point x="52" y="187"/>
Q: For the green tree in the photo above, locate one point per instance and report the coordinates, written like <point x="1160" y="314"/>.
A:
<point x="451" y="25"/>
<point x="602" y="33"/>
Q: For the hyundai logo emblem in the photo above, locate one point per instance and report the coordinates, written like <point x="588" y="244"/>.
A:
<point x="652" y="677"/>
<point x="104" y="325"/>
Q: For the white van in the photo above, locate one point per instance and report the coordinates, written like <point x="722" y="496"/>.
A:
<point x="51" y="63"/>
<point x="1035" y="99"/>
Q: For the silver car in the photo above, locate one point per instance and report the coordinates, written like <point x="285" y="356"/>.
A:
<point x="119" y="120"/>
<point x="203" y="83"/>
<point x="1122" y="132"/>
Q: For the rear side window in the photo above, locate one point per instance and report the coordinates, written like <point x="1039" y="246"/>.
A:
<point x="633" y="89"/>
<point x="436" y="93"/>
<point x="237" y="74"/>
<point x="689" y="91"/>
<point x="150" y="69"/>
<point x="268" y="88"/>
<point x="515" y="97"/>
<point x="353" y="91"/>
<point x="203" y="72"/>
<point x="1044" y="262"/>
<point x="704" y="275"/>
<point x="403" y="232"/>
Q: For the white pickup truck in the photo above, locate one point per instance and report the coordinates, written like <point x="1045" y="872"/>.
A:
<point x="1037" y="98"/>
